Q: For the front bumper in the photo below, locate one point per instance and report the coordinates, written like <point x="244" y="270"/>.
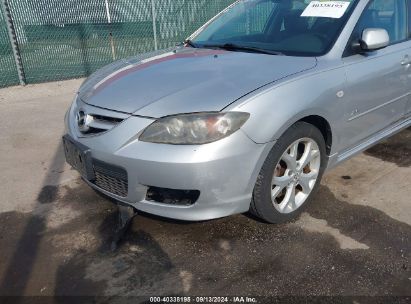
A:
<point x="224" y="172"/>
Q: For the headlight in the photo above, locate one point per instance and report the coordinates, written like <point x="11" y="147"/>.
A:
<point x="194" y="129"/>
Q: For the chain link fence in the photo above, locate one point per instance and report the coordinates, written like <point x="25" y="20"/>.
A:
<point x="68" y="39"/>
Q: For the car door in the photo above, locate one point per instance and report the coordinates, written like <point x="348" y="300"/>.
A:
<point x="377" y="82"/>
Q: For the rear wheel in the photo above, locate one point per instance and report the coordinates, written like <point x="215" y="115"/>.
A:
<point x="290" y="175"/>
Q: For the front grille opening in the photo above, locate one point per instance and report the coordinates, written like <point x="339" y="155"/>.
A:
<point x="108" y="119"/>
<point x="172" y="197"/>
<point x="94" y="131"/>
<point x="111" y="178"/>
<point x="97" y="124"/>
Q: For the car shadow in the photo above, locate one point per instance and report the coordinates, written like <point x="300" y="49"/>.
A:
<point x="16" y="275"/>
<point x="396" y="149"/>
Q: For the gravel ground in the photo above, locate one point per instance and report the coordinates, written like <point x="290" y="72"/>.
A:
<point x="55" y="232"/>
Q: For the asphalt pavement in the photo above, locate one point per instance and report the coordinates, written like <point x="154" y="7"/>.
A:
<point x="55" y="232"/>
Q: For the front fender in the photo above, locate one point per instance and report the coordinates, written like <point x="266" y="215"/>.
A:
<point x="273" y="110"/>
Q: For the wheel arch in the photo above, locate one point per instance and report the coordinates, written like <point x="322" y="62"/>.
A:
<point x="324" y="126"/>
<point x="315" y="118"/>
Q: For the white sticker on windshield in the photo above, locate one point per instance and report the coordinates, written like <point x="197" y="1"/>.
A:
<point x="329" y="9"/>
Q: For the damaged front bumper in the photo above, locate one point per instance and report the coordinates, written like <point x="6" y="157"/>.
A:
<point x="175" y="181"/>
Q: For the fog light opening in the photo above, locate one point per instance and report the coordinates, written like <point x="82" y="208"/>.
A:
<point x="172" y="196"/>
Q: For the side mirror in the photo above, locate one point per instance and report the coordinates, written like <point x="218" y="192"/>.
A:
<point x="374" y="39"/>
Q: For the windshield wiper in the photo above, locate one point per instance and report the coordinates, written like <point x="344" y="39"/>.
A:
<point x="235" y="47"/>
<point x="190" y="43"/>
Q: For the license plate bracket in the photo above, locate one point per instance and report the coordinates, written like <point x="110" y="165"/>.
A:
<point x="79" y="157"/>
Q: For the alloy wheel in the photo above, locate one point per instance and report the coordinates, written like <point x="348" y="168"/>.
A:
<point x="295" y="175"/>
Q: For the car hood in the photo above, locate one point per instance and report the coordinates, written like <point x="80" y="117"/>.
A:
<point x="185" y="80"/>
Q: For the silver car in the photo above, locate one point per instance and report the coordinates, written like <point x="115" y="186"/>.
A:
<point x="247" y="113"/>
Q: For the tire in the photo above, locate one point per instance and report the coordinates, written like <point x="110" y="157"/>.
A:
<point x="283" y="174"/>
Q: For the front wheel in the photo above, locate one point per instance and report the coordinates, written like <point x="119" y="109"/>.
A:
<point x="290" y="175"/>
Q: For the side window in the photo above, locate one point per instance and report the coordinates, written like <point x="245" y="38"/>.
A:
<point x="387" y="14"/>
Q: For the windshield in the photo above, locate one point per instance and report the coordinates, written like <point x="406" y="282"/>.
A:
<point x="297" y="28"/>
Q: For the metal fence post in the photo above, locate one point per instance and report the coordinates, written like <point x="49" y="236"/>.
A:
<point x="154" y="15"/>
<point x="13" y="41"/>
<point x="113" y="47"/>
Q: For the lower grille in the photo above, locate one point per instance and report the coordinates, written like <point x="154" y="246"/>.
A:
<point x="110" y="178"/>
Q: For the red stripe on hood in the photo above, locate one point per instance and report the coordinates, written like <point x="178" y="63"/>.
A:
<point x="156" y="61"/>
